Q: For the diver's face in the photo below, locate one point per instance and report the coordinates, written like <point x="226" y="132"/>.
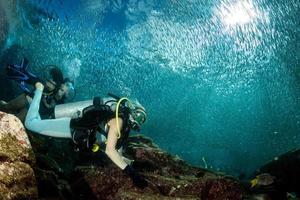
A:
<point x="63" y="90"/>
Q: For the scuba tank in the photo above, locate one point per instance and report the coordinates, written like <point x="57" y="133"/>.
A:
<point x="74" y="110"/>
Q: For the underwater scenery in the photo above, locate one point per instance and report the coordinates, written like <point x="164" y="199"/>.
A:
<point x="211" y="97"/>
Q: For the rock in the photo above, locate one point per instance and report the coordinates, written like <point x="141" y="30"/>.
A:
<point x="51" y="186"/>
<point x="168" y="177"/>
<point x="286" y="172"/>
<point x="55" y="160"/>
<point x="10" y="126"/>
<point x="17" y="180"/>
<point x="94" y="176"/>
<point x="63" y="174"/>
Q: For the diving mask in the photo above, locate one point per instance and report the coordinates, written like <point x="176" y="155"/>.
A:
<point x="137" y="118"/>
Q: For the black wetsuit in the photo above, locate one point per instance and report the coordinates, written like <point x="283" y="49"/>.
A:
<point x="48" y="113"/>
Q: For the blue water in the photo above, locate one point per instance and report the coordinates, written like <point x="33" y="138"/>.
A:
<point x="220" y="79"/>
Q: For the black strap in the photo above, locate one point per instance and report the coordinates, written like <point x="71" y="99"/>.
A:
<point x="97" y="101"/>
<point x="114" y="96"/>
<point x="83" y="139"/>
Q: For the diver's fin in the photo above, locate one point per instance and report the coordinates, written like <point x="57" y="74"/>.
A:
<point x="23" y="86"/>
<point x="21" y="74"/>
<point x="25" y="64"/>
<point x="15" y="72"/>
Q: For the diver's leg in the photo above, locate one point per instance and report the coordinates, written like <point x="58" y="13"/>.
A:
<point x="3" y="105"/>
<point x="50" y="127"/>
<point x="22" y="114"/>
<point x="17" y="103"/>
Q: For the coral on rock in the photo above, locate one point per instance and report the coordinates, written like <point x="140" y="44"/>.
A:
<point x="17" y="180"/>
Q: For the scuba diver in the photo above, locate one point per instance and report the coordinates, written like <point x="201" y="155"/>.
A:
<point x="57" y="90"/>
<point x="110" y="117"/>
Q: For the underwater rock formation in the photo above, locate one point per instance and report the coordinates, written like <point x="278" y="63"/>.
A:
<point x="17" y="180"/>
<point x="168" y="177"/>
<point x="286" y="172"/>
<point x="65" y="174"/>
<point x="94" y="176"/>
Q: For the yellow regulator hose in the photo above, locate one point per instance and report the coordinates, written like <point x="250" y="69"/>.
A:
<point x="117" y="113"/>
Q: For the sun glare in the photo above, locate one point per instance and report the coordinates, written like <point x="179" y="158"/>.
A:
<point x="239" y="13"/>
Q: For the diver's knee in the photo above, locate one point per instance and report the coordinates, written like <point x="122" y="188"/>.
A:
<point x="3" y="105"/>
<point x="29" y="123"/>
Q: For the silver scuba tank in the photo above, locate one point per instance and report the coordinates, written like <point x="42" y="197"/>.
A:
<point x="74" y="110"/>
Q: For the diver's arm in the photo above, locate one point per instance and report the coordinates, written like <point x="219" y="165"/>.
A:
<point x="112" y="139"/>
<point x="50" y="127"/>
<point x="114" y="155"/>
<point x="33" y="112"/>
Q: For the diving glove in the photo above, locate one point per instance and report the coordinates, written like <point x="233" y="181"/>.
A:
<point x="137" y="179"/>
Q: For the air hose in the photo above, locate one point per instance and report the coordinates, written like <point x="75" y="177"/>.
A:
<point x="117" y="113"/>
<point x="96" y="147"/>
